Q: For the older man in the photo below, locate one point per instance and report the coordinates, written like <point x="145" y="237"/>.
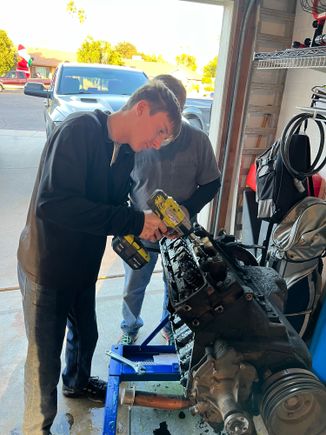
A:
<point x="185" y="169"/>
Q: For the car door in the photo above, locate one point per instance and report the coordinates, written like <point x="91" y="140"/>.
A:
<point x="21" y="79"/>
<point x="49" y="104"/>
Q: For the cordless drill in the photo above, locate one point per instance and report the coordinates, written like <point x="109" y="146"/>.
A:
<point x="131" y="249"/>
<point x="177" y="222"/>
<point x="170" y="212"/>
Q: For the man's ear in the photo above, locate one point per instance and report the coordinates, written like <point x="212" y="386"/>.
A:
<point x="141" y="106"/>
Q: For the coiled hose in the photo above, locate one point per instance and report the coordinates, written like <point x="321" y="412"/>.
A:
<point x="293" y="127"/>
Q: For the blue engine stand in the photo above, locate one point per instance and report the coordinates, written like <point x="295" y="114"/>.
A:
<point x="119" y="372"/>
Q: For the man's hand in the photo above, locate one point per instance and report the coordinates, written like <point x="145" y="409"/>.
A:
<point x="153" y="228"/>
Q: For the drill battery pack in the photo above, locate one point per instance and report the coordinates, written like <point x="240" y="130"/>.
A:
<point x="131" y="250"/>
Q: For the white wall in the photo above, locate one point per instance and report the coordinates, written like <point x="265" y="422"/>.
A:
<point x="297" y="91"/>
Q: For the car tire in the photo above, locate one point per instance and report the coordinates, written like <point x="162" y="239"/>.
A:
<point x="1" y="88"/>
<point x="195" y="122"/>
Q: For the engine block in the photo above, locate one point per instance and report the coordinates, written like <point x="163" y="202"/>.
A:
<point x="231" y="338"/>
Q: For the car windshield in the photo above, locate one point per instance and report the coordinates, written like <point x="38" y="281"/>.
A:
<point x="75" y="80"/>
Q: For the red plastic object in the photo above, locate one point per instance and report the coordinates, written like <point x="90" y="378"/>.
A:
<point x="251" y="177"/>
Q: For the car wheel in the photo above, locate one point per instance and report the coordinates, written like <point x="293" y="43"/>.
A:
<point x="195" y="123"/>
<point x="1" y="88"/>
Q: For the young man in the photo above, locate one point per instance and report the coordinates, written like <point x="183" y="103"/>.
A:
<point x="186" y="170"/>
<point x="78" y="199"/>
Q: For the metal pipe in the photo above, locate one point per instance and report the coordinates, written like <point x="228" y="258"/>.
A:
<point x="131" y="397"/>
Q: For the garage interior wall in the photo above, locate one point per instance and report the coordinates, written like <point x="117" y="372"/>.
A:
<point x="276" y="94"/>
<point x="297" y="91"/>
<point x="274" y="32"/>
<point x="257" y="98"/>
<point x="273" y="98"/>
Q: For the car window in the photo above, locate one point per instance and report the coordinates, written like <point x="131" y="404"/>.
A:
<point x="21" y="75"/>
<point x="11" y="75"/>
<point x="100" y="81"/>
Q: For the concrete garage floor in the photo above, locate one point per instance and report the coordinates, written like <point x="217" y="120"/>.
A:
<point x="82" y="416"/>
<point x="19" y="156"/>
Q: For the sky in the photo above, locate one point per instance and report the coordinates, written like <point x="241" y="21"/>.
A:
<point x="167" y="27"/>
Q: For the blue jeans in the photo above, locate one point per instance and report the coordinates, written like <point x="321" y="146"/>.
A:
<point x="135" y="285"/>
<point x="46" y="314"/>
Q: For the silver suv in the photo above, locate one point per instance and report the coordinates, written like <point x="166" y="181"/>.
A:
<point x="79" y="87"/>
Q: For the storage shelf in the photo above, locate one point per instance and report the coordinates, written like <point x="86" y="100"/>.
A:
<point x="310" y="57"/>
<point x="315" y="111"/>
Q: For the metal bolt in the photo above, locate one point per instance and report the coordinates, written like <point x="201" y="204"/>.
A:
<point x="219" y="309"/>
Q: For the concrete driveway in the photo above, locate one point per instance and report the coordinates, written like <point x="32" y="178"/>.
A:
<point x="19" y="156"/>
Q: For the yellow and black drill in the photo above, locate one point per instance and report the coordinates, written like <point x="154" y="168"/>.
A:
<point x="131" y="249"/>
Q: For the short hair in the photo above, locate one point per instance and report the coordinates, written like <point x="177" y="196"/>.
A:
<point x="175" y="85"/>
<point x="160" y="99"/>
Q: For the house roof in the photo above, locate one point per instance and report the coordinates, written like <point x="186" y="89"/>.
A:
<point x="51" y="58"/>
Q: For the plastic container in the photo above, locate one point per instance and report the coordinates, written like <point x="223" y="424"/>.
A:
<point x="318" y="346"/>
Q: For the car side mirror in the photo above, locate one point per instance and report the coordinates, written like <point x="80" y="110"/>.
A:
<point x="36" y="90"/>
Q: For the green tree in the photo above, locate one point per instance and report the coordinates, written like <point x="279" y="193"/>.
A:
<point x="210" y="68"/>
<point x="92" y="51"/>
<point x="126" y="49"/>
<point x="187" y="60"/>
<point x="74" y="11"/>
<point x="206" y="80"/>
<point x="110" y="55"/>
<point x="151" y="57"/>
<point x="8" y="56"/>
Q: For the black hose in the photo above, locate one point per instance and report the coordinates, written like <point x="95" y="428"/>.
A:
<point x="293" y="127"/>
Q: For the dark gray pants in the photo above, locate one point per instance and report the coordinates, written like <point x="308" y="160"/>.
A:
<point x="46" y="314"/>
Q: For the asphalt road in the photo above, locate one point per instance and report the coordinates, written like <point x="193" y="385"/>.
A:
<point x="21" y="112"/>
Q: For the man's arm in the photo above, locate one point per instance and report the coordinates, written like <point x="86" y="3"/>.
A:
<point x="62" y="194"/>
<point x="202" y="196"/>
<point x="207" y="175"/>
